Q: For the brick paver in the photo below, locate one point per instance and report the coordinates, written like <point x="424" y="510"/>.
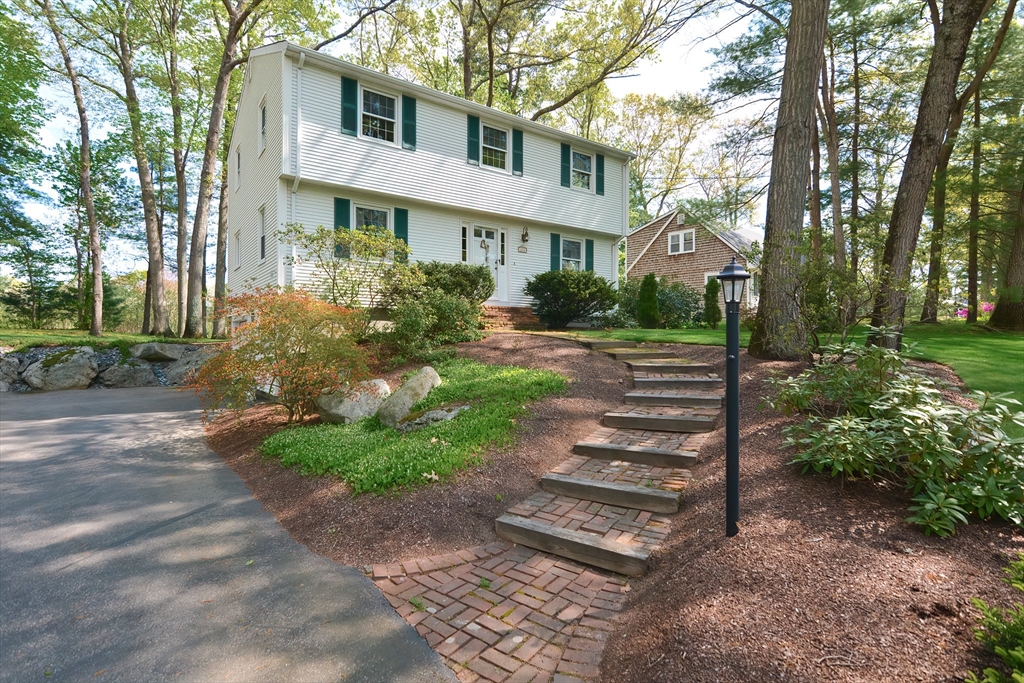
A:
<point x="710" y="393"/>
<point x="669" y="441"/>
<point x="671" y="411"/>
<point x="507" y="613"/>
<point x="629" y="526"/>
<point x="642" y="374"/>
<point x="621" y="472"/>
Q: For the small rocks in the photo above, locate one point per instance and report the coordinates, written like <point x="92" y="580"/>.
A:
<point x="71" y="369"/>
<point x="347" y="406"/>
<point x="428" y="418"/>
<point x="157" y="351"/>
<point x="398" y="405"/>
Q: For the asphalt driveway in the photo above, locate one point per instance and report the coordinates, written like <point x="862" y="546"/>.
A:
<point x="130" y="552"/>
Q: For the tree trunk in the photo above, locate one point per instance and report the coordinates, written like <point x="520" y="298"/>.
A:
<point x="196" y="274"/>
<point x="147" y="304"/>
<point x="220" y="286"/>
<point x="972" y="239"/>
<point x="1009" y="310"/>
<point x="930" y="311"/>
<point x="814" y="202"/>
<point x="778" y="331"/>
<point x="937" y="98"/>
<point x="84" y="172"/>
<point x="180" y="162"/>
<point x="855" y="162"/>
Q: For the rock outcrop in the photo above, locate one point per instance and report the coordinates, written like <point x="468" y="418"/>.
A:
<point x="348" y="405"/>
<point x="400" y="403"/>
<point x="71" y="369"/>
<point x="157" y="351"/>
<point x="133" y="373"/>
<point x="430" y="417"/>
<point x="181" y="371"/>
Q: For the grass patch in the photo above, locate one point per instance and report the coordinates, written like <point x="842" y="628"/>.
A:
<point x="23" y="340"/>
<point x="699" y="336"/>
<point x="373" y="458"/>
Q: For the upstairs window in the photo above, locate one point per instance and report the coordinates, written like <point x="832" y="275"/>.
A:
<point x="369" y="217"/>
<point x="379" y="116"/>
<point x="572" y="254"/>
<point x="263" y="125"/>
<point x="495" y="147"/>
<point x="681" y="242"/>
<point x="238" y="167"/>
<point x="582" y="169"/>
<point x="263" y="233"/>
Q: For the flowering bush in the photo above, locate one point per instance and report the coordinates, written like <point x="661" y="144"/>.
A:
<point x="987" y="307"/>
<point x="293" y="347"/>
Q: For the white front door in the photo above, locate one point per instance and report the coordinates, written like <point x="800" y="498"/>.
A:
<point x="488" y="248"/>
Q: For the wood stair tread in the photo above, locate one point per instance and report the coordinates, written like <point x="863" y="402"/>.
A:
<point x="635" y="353"/>
<point x="618" y="482"/>
<point x="670" y="365"/>
<point x="665" y="418"/>
<point x="695" y="398"/>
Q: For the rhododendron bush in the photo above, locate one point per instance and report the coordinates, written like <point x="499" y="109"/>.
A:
<point x="293" y="347"/>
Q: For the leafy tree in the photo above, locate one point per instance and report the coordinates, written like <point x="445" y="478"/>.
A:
<point x="648" y="315"/>
<point x="712" y="311"/>
<point x="29" y="250"/>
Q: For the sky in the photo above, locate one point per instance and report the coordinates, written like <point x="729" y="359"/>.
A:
<point x="682" y="65"/>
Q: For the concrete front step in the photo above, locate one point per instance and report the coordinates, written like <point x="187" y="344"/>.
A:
<point x="682" y="367"/>
<point x="658" y="397"/>
<point x="574" y="545"/>
<point x="660" y="423"/>
<point x="678" y="382"/>
<point x="620" y="353"/>
<point x="607" y="344"/>
<point x="612" y="493"/>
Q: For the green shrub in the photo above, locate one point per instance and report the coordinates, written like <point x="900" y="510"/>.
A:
<point x="712" y="311"/>
<point x="648" y="315"/>
<point x="871" y="417"/>
<point x="1002" y="631"/>
<point x="679" y="304"/>
<point x="474" y="283"/>
<point x="564" y="296"/>
<point x="420" y="326"/>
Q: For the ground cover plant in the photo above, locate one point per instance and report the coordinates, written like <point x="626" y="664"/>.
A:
<point x="1002" y="632"/>
<point x="373" y="458"/>
<point x="870" y="416"/>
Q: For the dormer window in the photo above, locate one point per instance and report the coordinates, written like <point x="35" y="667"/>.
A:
<point x="379" y="116"/>
<point x="681" y="242"/>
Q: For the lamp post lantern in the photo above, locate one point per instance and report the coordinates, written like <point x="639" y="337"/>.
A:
<point x="734" y="281"/>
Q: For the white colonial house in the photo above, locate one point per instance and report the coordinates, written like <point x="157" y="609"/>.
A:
<point x="319" y="141"/>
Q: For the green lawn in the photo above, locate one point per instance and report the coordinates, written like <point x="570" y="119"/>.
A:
<point x="373" y="458"/>
<point x="26" y="339"/>
<point x="703" y="337"/>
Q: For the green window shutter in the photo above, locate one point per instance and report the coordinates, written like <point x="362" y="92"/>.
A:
<point x="473" y="139"/>
<point x="588" y="256"/>
<point x="517" y="152"/>
<point x="349" y="106"/>
<point x="556" y="251"/>
<point x="342" y="217"/>
<point x="600" y="174"/>
<point x="402" y="224"/>
<point x="566" y="163"/>
<point x="408" y="122"/>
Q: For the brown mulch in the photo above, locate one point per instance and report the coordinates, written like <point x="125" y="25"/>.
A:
<point x="825" y="581"/>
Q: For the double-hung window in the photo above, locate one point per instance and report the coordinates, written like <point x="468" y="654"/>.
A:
<point x="582" y="170"/>
<point x="379" y="116"/>
<point x="263" y="232"/>
<point x="495" y="147"/>
<point x="263" y="125"/>
<point x="681" y="242"/>
<point x="572" y="254"/>
<point x="371" y="218"/>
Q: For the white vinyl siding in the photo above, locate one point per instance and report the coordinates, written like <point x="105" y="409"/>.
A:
<point x="682" y="242"/>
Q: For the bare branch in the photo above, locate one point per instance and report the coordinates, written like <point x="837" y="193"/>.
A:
<point x="757" y="8"/>
<point x="363" y="16"/>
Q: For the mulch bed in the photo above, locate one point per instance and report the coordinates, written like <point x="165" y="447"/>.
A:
<point x="825" y="581"/>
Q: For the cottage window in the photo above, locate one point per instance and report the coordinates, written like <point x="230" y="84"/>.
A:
<point x="379" y="116"/>
<point x="495" y="147"/>
<point x="582" y="168"/>
<point x="572" y="254"/>
<point x="681" y="242"/>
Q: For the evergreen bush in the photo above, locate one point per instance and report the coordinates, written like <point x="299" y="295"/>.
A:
<point x="563" y="296"/>
<point x="712" y="311"/>
<point x="474" y="283"/>
<point x="648" y="314"/>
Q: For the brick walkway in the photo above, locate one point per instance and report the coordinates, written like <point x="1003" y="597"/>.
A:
<point x="621" y="472"/>
<point x="673" y="441"/>
<point x="639" y="374"/>
<point x="669" y="411"/>
<point x="507" y="613"/>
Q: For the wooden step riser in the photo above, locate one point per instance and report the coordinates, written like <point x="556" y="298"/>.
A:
<point x="681" y="401"/>
<point x="655" y="457"/>
<point x="659" y="423"/>
<point x="681" y="368"/>
<point x="573" y="545"/>
<point x="607" y="344"/>
<point x="676" y="383"/>
<point x="621" y="495"/>
<point x="634" y="355"/>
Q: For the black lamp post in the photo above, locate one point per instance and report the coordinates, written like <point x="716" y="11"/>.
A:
<point x="734" y="280"/>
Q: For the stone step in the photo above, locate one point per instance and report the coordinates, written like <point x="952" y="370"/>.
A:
<point x="678" y="382"/>
<point x="612" y="493"/>
<point x="660" y="397"/>
<point x="573" y="545"/>
<point x="620" y="353"/>
<point x="659" y="422"/>
<point x="682" y="367"/>
<point x="657" y="449"/>
<point x="607" y="343"/>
